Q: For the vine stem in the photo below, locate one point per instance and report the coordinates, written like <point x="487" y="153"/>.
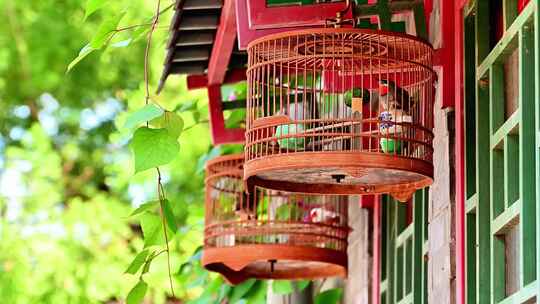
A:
<point x="161" y="196"/>
<point x="147" y="52"/>
<point x="161" y="193"/>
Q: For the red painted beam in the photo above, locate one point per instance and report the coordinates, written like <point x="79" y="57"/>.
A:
<point x="220" y="134"/>
<point x="196" y="82"/>
<point x="446" y="53"/>
<point x="246" y="34"/>
<point x="461" y="275"/>
<point x="263" y="17"/>
<point x="223" y="44"/>
<point x="201" y="81"/>
<point x="367" y="201"/>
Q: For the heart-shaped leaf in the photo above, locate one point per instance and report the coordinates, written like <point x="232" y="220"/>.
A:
<point x="153" y="148"/>
<point x="137" y="262"/>
<point x="152" y="230"/>
<point x="105" y="31"/>
<point x="169" y="215"/>
<point x="172" y="122"/>
<point x="136" y="295"/>
<point x="152" y="227"/>
<point x="92" y="6"/>
<point x="85" y="51"/>
<point x="187" y="106"/>
<point x="144" y="114"/>
<point x="144" y="207"/>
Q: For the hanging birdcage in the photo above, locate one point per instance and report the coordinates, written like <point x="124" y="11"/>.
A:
<point x="340" y="110"/>
<point x="270" y="234"/>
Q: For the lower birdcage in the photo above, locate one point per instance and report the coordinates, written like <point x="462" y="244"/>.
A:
<point x="268" y="234"/>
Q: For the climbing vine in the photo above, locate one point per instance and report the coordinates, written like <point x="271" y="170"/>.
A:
<point x="155" y="133"/>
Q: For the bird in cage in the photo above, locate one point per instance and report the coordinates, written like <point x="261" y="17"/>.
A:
<point x="245" y="208"/>
<point x="362" y="93"/>
<point x="297" y="111"/>
<point x="324" y="216"/>
<point x="394" y="106"/>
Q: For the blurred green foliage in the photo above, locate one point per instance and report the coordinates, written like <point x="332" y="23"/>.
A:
<point x="67" y="181"/>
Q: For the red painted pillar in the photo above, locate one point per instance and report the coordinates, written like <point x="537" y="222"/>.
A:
<point x="522" y="4"/>
<point x="460" y="154"/>
<point x="376" y="271"/>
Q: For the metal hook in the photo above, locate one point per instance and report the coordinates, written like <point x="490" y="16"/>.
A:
<point x="272" y="263"/>
<point x="348" y="5"/>
<point x="338" y="21"/>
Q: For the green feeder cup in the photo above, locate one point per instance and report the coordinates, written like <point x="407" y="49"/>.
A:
<point x="389" y="145"/>
<point x="356" y="92"/>
<point x="290" y="143"/>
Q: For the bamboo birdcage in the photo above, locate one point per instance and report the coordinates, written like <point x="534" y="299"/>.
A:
<point x="340" y="111"/>
<point x="270" y="234"/>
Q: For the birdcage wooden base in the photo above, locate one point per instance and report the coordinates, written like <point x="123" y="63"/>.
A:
<point x="340" y="173"/>
<point x="269" y="261"/>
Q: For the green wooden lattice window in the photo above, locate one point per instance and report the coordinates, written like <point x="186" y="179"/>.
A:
<point x="404" y="250"/>
<point x="502" y="147"/>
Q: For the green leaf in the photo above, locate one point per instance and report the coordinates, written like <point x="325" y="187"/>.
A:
<point x="85" y="51"/>
<point x="302" y="284"/>
<point x="215" y="152"/>
<point x="240" y="290"/>
<point x="140" y="32"/>
<point x="152" y="227"/>
<point x="199" y="280"/>
<point x="105" y="31"/>
<point x="169" y="215"/>
<point x="196" y="116"/>
<point x="288" y="212"/>
<point x="187" y="106"/>
<point x="236" y="119"/>
<point x="257" y="294"/>
<point x="197" y="255"/>
<point x="92" y="6"/>
<point x="146" y="267"/>
<point x="137" y="262"/>
<point x="330" y="296"/>
<point x="153" y="148"/>
<point x="211" y="290"/>
<point x="231" y="149"/>
<point x="136" y="295"/>
<point x="144" y="207"/>
<point x="282" y="287"/>
<point x="170" y="121"/>
<point x="122" y="43"/>
<point x="144" y="114"/>
<point x="223" y="292"/>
